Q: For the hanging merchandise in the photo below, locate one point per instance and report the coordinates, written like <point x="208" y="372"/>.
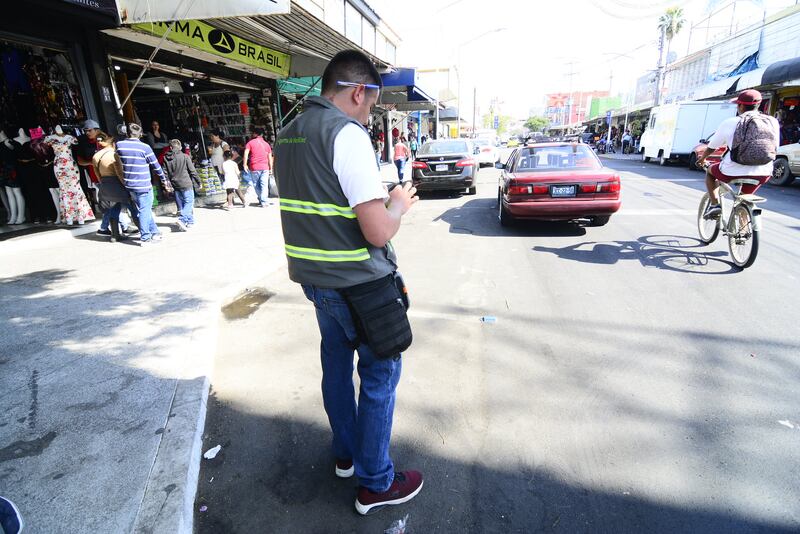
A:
<point x="72" y="202"/>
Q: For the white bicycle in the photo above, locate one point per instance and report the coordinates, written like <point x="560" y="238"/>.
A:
<point x="742" y="225"/>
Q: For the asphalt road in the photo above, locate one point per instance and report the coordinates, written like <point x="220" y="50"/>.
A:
<point x="635" y="381"/>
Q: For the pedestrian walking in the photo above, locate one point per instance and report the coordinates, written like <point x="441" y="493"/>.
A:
<point x="138" y="160"/>
<point x="337" y="221"/>
<point x="401" y="154"/>
<point x="258" y="162"/>
<point x="413" y="146"/>
<point x="232" y="180"/>
<point x="113" y="195"/>
<point x="182" y="175"/>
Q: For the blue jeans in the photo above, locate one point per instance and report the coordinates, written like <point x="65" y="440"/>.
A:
<point x="400" y="163"/>
<point x="362" y="431"/>
<point x="185" y="202"/>
<point x="143" y="200"/>
<point x="260" y="181"/>
<point x="110" y="213"/>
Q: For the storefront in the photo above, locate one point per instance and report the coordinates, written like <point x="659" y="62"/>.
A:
<point x="52" y="78"/>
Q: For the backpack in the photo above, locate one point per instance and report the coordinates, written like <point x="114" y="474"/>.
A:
<point x="754" y="141"/>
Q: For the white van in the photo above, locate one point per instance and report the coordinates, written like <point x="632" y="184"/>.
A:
<point x="675" y="129"/>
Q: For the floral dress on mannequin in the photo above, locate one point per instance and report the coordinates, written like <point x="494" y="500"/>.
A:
<point x="72" y="201"/>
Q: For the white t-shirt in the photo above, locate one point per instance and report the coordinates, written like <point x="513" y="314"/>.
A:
<point x="354" y="164"/>
<point x="724" y="136"/>
<point x="231" y="172"/>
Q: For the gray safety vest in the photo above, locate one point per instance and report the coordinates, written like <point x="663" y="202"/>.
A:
<point x="323" y="241"/>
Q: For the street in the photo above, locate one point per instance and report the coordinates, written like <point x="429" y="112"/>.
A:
<point x="634" y="379"/>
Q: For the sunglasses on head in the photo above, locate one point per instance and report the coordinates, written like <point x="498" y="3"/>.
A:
<point x="358" y="84"/>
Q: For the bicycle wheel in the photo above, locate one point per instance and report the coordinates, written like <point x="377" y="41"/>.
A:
<point x="707" y="228"/>
<point x="742" y="237"/>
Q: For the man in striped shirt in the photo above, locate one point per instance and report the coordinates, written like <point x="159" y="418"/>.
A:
<point x="137" y="161"/>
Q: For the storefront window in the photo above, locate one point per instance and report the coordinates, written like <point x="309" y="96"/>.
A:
<point x="368" y="36"/>
<point x="38" y="87"/>
<point x="334" y="14"/>
<point x="352" y="24"/>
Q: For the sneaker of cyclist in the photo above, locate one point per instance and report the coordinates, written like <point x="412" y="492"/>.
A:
<point x="752" y="139"/>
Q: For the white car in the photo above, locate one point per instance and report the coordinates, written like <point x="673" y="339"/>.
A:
<point x="487" y="154"/>
<point x="787" y="165"/>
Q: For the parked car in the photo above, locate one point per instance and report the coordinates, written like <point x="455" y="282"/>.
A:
<point x="513" y="142"/>
<point x="489" y="154"/>
<point x="556" y="182"/>
<point x="446" y="164"/>
<point x="698" y="150"/>
<point x="787" y="165"/>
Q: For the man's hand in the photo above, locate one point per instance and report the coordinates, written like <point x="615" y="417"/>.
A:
<point x="402" y="198"/>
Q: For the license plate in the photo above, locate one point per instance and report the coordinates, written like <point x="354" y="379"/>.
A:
<point x="441" y="168"/>
<point x="562" y="191"/>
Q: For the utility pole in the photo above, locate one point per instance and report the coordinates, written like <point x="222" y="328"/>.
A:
<point x="659" y="73"/>
<point x="474" y="108"/>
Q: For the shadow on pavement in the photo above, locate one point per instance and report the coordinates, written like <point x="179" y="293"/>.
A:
<point x="283" y="481"/>
<point x="479" y="217"/>
<point x="86" y="385"/>
<point x="672" y="253"/>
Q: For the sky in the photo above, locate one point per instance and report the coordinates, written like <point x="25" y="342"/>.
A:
<point x="519" y="50"/>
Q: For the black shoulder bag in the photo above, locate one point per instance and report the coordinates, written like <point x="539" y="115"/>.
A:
<point x="379" y="313"/>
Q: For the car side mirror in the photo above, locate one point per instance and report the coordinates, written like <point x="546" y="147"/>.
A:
<point x="704" y="141"/>
<point x="498" y="165"/>
<point x="476" y="150"/>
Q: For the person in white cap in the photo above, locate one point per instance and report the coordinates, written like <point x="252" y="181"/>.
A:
<point x="752" y="139"/>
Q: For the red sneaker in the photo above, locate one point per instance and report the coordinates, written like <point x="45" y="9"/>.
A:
<point x="344" y="468"/>
<point x="405" y="487"/>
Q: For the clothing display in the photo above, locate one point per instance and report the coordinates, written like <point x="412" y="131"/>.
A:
<point x="73" y="203"/>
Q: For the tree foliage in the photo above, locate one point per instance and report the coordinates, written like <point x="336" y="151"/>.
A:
<point x="537" y="124"/>
<point x="488" y="122"/>
<point x="671" y="22"/>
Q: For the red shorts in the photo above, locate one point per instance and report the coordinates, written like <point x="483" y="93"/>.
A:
<point x="747" y="189"/>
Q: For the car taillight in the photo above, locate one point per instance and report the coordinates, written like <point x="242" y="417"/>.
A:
<point x="588" y="188"/>
<point x="466" y="162"/>
<point x="608" y="187"/>
<point x="486" y="150"/>
<point x="528" y="190"/>
<point x="419" y="165"/>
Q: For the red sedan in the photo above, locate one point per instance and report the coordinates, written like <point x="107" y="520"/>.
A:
<point x="557" y="182"/>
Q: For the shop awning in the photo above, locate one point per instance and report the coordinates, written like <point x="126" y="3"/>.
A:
<point x="751" y="79"/>
<point x="782" y="71"/>
<point x="401" y="88"/>
<point x="308" y="86"/>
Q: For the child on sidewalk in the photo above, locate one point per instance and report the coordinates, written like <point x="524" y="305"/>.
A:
<point x="232" y="177"/>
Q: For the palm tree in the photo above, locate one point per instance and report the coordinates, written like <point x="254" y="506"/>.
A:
<point x="671" y="23"/>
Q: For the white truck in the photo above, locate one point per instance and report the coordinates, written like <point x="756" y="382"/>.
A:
<point x="674" y="130"/>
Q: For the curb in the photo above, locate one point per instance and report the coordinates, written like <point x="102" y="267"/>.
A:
<point x="168" y="502"/>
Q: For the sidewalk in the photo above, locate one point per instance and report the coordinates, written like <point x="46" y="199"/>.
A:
<point x="105" y="354"/>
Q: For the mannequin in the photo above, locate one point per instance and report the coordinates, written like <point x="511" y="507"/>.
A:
<point x="10" y="150"/>
<point x="73" y="206"/>
<point x="55" y="191"/>
<point x="22" y="138"/>
<point x="3" y="181"/>
<point x="41" y="207"/>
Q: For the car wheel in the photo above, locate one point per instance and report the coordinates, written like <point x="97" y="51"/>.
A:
<point x="645" y="158"/>
<point x="693" y="162"/>
<point x="662" y="160"/>
<point x="472" y="190"/>
<point x="599" y="220"/>
<point x="503" y="216"/>
<point x="781" y="174"/>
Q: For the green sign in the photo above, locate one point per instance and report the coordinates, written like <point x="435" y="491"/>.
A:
<point x="202" y="36"/>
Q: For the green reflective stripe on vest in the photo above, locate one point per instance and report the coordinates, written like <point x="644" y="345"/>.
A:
<point x="311" y="208"/>
<point x="316" y="254"/>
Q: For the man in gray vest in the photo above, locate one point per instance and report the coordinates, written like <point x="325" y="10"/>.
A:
<point x="337" y="221"/>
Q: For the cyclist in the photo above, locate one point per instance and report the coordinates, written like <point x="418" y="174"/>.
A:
<point x="727" y="169"/>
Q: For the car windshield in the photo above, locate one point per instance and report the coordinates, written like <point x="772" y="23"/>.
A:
<point x="556" y="158"/>
<point x="445" y="147"/>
